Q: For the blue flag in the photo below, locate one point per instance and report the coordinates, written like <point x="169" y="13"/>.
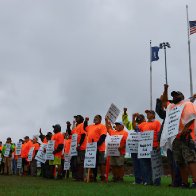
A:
<point x="154" y="53"/>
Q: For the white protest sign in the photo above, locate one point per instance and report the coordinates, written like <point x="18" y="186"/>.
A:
<point x="38" y="164"/>
<point x="67" y="159"/>
<point x="50" y="150"/>
<point x="18" y="148"/>
<point x="90" y="155"/>
<point x="41" y="156"/>
<point x="30" y="154"/>
<point x="7" y="150"/>
<point x="156" y="164"/>
<point x="132" y="142"/>
<point x="19" y="163"/>
<point x="113" y="145"/>
<point x="172" y="122"/>
<point x="113" y="113"/>
<point x="145" y="144"/>
<point x="73" y="150"/>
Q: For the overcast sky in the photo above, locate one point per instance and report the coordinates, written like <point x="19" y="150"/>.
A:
<point x="59" y="58"/>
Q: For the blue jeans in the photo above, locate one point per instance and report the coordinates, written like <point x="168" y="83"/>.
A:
<point x="146" y="170"/>
<point x="137" y="168"/>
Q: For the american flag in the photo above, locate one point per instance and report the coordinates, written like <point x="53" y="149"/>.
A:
<point x="192" y="27"/>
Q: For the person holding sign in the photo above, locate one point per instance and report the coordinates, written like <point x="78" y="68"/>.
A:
<point x="150" y="125"/>
<point x="161" y="105"/>
<point x="183" y="145"/>
<point x="58" y="137"/>
<point x="81" y="147"/>
<point x="117" y="162"/>
<point x="97" y="133"/>
<point x="24" y="154"/>
<point x="136" y="120"/>
<point x="7" y="151"/>
<point x="33" y="163"/>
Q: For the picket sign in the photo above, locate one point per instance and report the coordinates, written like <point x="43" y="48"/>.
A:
<point x="30" y="154"/>
<point x="113" y="145"/>
<point x="90" y="155"/>
<point x="18" y="148"/>
<point x="7" y="150"/>
<point x="73" y="148"/>
<point x="67" y="159"/>
<point x="38" y="164"/>
<point x="19" y="163"/>
<point x="113" y="113"/>
<point x="132" y="142"/>
<point x="41" y="156"/>
<point x="145" y="144"/>
<point x="50" y="150"/>
<point x="171" y="125"/>
<point x="156" y="164"/>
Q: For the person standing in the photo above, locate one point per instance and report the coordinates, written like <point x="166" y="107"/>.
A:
<point x="137" y="119"/>
<point x="151" y="125"/>
<point x="183" y="145"/>
<point x="7" y="151"/>
<point x="97" y="133"/>
<point x="58" y="147"/>
<point x="117" y="162"/>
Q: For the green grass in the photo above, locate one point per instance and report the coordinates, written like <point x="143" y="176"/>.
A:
<point x="19" y="186"/>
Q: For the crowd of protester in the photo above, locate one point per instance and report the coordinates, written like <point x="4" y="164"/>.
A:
<point x="181" y="156"/>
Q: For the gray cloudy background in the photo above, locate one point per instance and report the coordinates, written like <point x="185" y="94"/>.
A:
<point x="65" y="57"/>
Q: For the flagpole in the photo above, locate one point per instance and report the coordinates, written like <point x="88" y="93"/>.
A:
<point x="189" y="51"/>
<point x="150" y="76"/>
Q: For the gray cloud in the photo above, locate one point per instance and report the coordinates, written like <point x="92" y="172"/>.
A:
<point x="61" y="58"/>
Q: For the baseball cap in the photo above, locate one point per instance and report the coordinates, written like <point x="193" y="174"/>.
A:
<point x="176" y="93"/>
<point x="118" y="123"/>
<point x="150" y="111"/>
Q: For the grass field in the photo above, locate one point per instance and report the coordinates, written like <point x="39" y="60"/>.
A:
<point x="19" y="186"/>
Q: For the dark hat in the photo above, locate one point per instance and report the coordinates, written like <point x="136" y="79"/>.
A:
<point x="176" y="93"/>
<point x="26" y="137"/>
<point x="118" y="123"/>
<point x="79" y="116"/>
<point x="150" y="111"/>
<point x="9" y="138"/>
<point x="140" y="117"/>
<point x="57" y="126"/>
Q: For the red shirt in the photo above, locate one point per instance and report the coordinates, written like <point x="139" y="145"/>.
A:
<point x="79" y="130"/>
<point x="93" y="134"/>
<point x="59" y="139"/>
<point x="25" y="149"/>
<point x="151" y="126"/>
<point x="123" y="140"/>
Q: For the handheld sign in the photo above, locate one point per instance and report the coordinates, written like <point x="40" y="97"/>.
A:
<point x="145" y="144"/>
<point x="172" y="122"/>
<point x="30" y="154"/>
<point x="18" y="148"/>
<point x="38" y="164"/>
<point x="132" y="142"/>
<point x="19" y="163"/>
<point x="156" y="164"/>
<point x="7" y="150"/>
<point x="73" y="150"/>
<point x="113" y="145"/>
<point x="41" y="156"/>
<point x="113" y="113"/>
<point x="67" y="159"/>
<point x="90" y="155"/>
<point x="49" y="150"/>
